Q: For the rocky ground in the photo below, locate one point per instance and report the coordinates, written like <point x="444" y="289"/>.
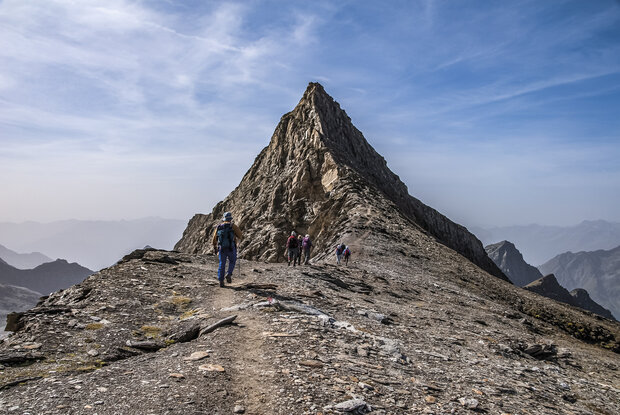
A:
<point x="417" y="336"/>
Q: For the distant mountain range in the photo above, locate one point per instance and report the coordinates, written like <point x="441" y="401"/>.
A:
<point x="598" y="272"/>
<point x="539" y="243"/>
<point x="549" y="286"/>
<point x="23" y="261"/>
<point x="508" y="258"/>
<point x="94" y="244"/>
<point x="46" y="278"/>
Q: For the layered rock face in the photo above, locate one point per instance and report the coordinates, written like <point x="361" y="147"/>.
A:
<point x="596" y="271"/>
<point x="508" y="258"/>
<point x="319" y="175"/>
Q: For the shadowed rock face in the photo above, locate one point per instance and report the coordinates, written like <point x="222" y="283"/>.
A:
<point x="582" y="299"/>
<point x="549" y="287"/>
<point x="508" y="258"/>
<point x="319" y="175"/>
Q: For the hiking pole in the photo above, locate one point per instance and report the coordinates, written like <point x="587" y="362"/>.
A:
<point x="239" y="262"/>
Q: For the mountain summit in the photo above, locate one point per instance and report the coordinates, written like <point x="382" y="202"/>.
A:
<point x="319" y="175"/>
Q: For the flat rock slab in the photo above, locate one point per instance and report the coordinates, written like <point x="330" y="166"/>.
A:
<point x="197" y="356"/>
<point x="211" y="368"/>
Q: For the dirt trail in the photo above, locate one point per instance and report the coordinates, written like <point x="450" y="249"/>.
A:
<point x="248" y="352"/>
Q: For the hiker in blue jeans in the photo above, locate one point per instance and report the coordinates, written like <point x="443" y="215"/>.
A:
<point x="224" y="242"/>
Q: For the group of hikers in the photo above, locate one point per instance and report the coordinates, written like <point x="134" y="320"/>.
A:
<point x="227" y="235"/>
<point x="295" y="246"/>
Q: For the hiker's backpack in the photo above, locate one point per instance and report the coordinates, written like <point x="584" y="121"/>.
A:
<point x="306" y="243"/>
<point x="339" y="249"/>
<point x="292" y="242"/>
<point x="347" y="253"/>
<point x="225" y="236"/>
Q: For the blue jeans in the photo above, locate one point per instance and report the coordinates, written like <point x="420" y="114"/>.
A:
<point x="231" y="254"/>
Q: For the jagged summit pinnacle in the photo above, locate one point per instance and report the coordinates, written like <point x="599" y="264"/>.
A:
<point x="319" y="175"/>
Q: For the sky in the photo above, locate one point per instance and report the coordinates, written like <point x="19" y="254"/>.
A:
<point x="494" y="113"/>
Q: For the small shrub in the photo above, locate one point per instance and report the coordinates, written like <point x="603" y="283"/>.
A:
<point x="151" y="331"/>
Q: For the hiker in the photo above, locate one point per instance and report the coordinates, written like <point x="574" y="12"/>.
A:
<point x="306" y="246"/>
<point x="347" y="254"/>
<point x="300" y="240"/>
<point x="339" y="251"/>
<point x="292" y="248"/>
<point x="224" y="240"/>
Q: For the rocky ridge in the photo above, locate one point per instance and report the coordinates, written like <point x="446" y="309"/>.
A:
<point x="548" y="286"/>
<point x="582" y="299"/>
<point x="319" y="175"/>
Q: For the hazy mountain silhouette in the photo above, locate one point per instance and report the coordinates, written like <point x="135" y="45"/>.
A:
<point x="598" y="272"/>
<point x="45" y="278"/>
<point x="23" y="261"/>
<point x="539" y="243"/>
<point x="94" y="244"/>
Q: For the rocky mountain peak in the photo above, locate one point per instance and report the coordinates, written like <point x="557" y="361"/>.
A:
<point x="319" y="175"/>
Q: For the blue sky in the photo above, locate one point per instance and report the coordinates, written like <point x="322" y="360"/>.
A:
<point x="495" y="113"/>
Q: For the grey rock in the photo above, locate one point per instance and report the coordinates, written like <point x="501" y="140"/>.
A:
<point x="353" y="405"/>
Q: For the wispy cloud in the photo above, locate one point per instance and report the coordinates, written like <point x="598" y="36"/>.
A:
<point x="165" y="91"/>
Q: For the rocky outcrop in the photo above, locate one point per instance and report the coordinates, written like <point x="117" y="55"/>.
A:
<point x="508" y="258"/>
<point x="45" y="278"/>
<point x="598" y="272"/>
<point x="319" y="175"/>
<point x="549" y="287"/>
